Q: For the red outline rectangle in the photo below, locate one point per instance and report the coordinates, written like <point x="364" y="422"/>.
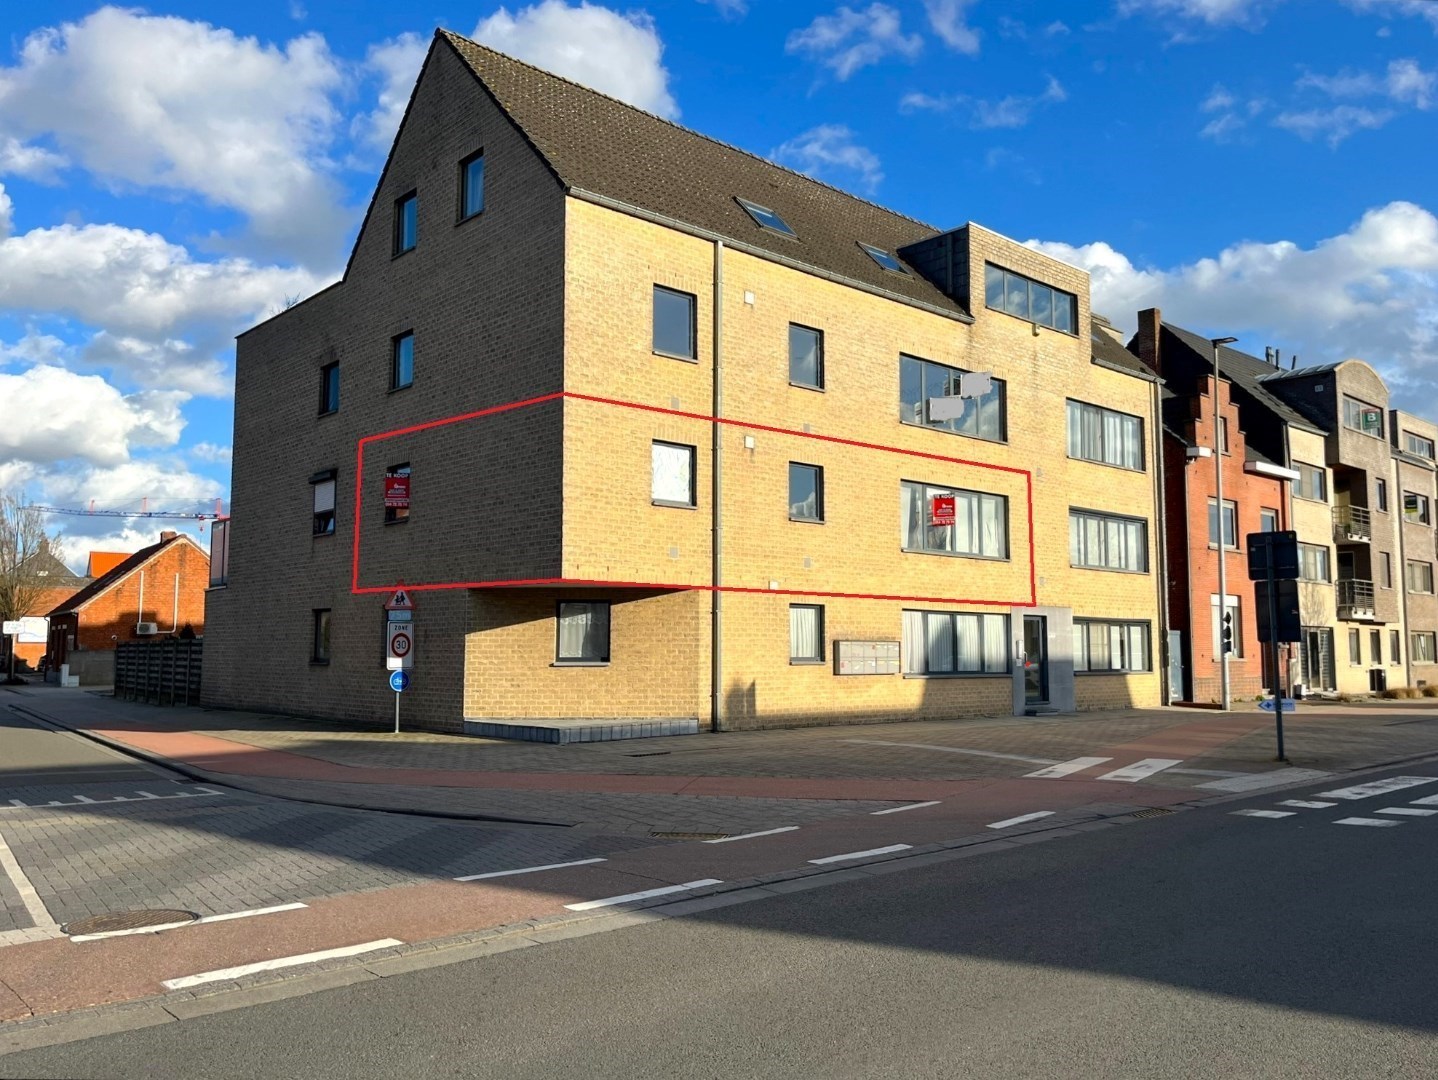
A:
<point x="358" y="590"/>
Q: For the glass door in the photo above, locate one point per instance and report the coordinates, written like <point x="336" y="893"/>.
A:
<point x="1036" y="660"/>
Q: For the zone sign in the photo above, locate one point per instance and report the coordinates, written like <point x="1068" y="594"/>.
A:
<point x="399" y="646"/>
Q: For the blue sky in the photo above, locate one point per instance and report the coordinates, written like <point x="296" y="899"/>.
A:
<point x="170" y="175"/>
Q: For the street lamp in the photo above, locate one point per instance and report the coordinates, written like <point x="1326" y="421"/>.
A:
<point x="1223" y="645"/>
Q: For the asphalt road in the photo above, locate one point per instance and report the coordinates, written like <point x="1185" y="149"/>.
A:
<point x="1202" y="944"/>
<point x="39" y="756"/>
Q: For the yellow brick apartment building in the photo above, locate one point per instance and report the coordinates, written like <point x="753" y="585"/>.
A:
<point x="663" y="437"/>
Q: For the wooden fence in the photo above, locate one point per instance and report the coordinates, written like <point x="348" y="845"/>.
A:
<point x="163" y="672"/>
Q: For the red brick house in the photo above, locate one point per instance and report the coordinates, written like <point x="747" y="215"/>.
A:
<point x="57" y="583"/>
<point x="157" y="591"/>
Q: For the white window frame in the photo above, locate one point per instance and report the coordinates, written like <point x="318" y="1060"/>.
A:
<point x="594" y="639"/>
<point x="800" y="651"/>
<point x="661" y="474"/>
<point x="964" y="643"/>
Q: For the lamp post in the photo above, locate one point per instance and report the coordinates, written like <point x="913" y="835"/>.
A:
<point x="1222" y="546"/>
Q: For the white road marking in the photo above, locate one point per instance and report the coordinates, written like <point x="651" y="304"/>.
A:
<point x="955" y="750"/>
<point x="1406" y="811"/>
<point x="861" y="854"/>
<point x="901" y="809"/>
<point x="189" y="922"/>
<point x="1378" y="787"/>
<point x="147" y="794"/>
<point x="39" y="915"/>
<point x="225" y="974"/>
<point x="1429" y="801"/>
<point x="1021" y="819"/>
<point x="1140" y="770"/>
<point x="527" y="870"/>
<point x="1378" y="822"/>
<point x="83" y="799"/>
<point x="1253" y="781"/>
<point x="17" y="802"/>
<point x="1064" y="768"/>
<point x="1264" y="813"/>
<point x="610" y="901"/>
<point x="750" y="835"/>
<point x="1307" y="804"/>
<point x="246" y="914"/>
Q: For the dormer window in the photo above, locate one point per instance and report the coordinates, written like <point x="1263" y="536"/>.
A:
<point x="884" y="258"/>
<point x="766" y="218"/>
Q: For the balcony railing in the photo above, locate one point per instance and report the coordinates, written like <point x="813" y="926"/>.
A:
<point x="1352" y="524"/>
<point x="1355" y="598"/>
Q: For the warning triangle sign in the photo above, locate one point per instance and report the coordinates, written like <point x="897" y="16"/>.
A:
<point x="400" y="601"/>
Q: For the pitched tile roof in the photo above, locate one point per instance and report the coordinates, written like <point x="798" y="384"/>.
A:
<point x="598" y="145"/>
<point x="105" y="581"/>
<point x="1248" y="372"/>
<point x="1110" y="352"/>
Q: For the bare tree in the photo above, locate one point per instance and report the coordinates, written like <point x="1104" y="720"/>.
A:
<point x="22" y="539"/>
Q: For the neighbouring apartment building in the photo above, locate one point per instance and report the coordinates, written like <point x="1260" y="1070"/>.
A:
<point x="647" y="426"/>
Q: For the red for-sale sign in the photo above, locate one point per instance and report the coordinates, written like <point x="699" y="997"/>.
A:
<point x="396" y="492"/>
<point x="941" y="510"/>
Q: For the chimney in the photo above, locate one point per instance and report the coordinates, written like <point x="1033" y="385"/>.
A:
<point x="168" y="534"/>
<point x="1150" y="320"/>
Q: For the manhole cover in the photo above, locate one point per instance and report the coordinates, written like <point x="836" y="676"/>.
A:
<point x="690" y="835"/>
<point x="1157" y="811"/>
<point x="128" y="920"/>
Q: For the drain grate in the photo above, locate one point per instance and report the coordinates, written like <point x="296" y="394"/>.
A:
<point x="128" y="920"/>
<point x="1155" y="811"/>
<point x="690" y="835"/>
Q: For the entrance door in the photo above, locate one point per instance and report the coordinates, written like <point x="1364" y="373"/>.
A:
<point x="1036" y="663"/>
<point x="1175" y="665"/>
<point x="1318" y="658"/>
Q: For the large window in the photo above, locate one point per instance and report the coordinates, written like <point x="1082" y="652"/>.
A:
<point x="219" y="553"/>
<point x="806" y="492"/>
<point x="1385" y="569"/>
<point x="1313" y="562"/>
<point x="1417" y="508"/>
<point x="1380" y="494"/>
<point x="1419" y="576"/>
<point x="1105" y="436"/>
<point x="806" y="356"/>
<point x="1230" y="523"/>
<point x="1361" y="416"/>
<point x="401" y="368"/>
<point x="1355" y="648"/>
<point x="1312" y="482"/>
<point x="1030" y="300"/>
<point x="806" y="633"/>
<point x="1267" y="520"/>
<point x="1107" y="541"/>
<point x="1423" y="648"/>
<point x="329" y="389"/>
<point x="955" y="643"/>
<point x="1235" y="609"/>
<point x="919" y="380"/>
<point x="674" y="333"/>
<point x="471" y="186"/>
<point x="980" y="521"/>
<point x="582" y="632"/>
<point x="1395" y="657"/>
<point x="323" y="485"/>
<point x="672" y="474"/>
<point x="1417" y="444"/>
<point x="320" y="636"/>
<point x="406" y="223"/>
<point x="1101" y="645"/>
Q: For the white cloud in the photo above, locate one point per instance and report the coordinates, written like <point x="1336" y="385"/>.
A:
<point x="163" y="102"/>
<point x="34" y="348"/>
<point x="848" y="39"/>
<point x="829" y="151"/>
<point x="1333" y="125"/>
<point x="1218" y="98"/>
<point x="947" y="19"/>
<point x="1368" y="292"/>
<point x="1247" y="13"/>
<point x="1403" y="83"/>
<point x="620" y="55"/>
<point x="730" y="9"/>
<point x="27" y="160"/>
<point x="396" y="64"/>
<point x="210" y="452"/>
<point x="1013" y="111"/>
<point x="1410" y="84"/>
<point x="7" y="213"/>
<point x="166" y="364"/>
<point x="1422" y="9"/>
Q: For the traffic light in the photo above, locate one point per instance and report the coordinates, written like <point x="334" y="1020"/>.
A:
<point x="1226" y="633"/>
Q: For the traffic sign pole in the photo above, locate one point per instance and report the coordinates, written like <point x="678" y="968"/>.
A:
<point x="1273" y="654"/>
<point x="396" y="719"/>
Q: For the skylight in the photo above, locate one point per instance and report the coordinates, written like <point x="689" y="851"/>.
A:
<point x="884" y="259"/>
<point x="766" y="218"/>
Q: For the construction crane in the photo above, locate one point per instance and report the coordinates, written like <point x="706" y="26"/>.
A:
<point x="143" y="512"/>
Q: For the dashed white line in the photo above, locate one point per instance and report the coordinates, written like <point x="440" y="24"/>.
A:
<point x="610" y="901"/>
<point x="1264" y="813"/>
<point x="83" y="799"/>
<point x="1141" y="770"/>
<point x="1381" y="823"/>
<point x="1252" y="781"/>
<point x="954" y="750"/>
<point x="861" y="854"/>
<point x="1021" y="819"/>
<point x="39" y="914"/>
<point x="910" y="806"/>
<point x="246" y="914"/>
<point x="1406" y="811"/>
<point x="1431" y="800"/>
<point x="1378" y="787"/>
<point x="527" y="870"/>
<point x="225" y="974"/>
<point x="1307" y="804"/>
<point x="17" y="802"/>
<point x="189" y="922"/>
<point x="1065" y="768"/>
<point x="751" y="835"/>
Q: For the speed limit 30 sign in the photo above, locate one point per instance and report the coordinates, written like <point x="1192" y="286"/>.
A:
<point x="399" y="646"/>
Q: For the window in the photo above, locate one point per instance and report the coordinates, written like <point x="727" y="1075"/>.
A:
<point x="1312" y="562"/>
<point x="672" y="474"/>
<point x="766" y="218"/>
<point x="1385" y="568"/>
<point x="329" y="389"/>
<point x="980" y="528"/>
<point x="1423" y="648"/>
<point x="1031" y="300"/>
<point x="1416" y="508"/>
<point x="1234" y="608"/>
<point x="396" y="493"/>
<point x="806" y="633"/>
<point x="884" y="259"/>
<point x="1223" y="434"/>
<point x="1107" y="542"/>
<point x="1105" y="436"/>
<point x="919" y="380"/>
<point x="401" y="368"/>
<point x="1230" y="524"/>
<point x="1394" y="656"/>
<point x="219" y="553"/>
<point x="955" y="643"/>
<point x="1312" y="482"/>
<point x="1267" y="520"/>
<point x="582" y="635"/>
<point x="406" y="223"/>
<point x="1419" y="576"/>
<point x="1110" y="646"/>
<point x="323" y="485"/>
<point x="1360" y="416"/>
<point x="674" y="323"/>
<point x="320" y="638"/>
<point x="1380" y="492"/>
<point x="1417" y="444"/>
<point x="471" y="186"/>
<point x="806" y="356"/>
<point x="1355" y="648"/>
<point x="806" y="492"/>
<point x="1375" y="647"/>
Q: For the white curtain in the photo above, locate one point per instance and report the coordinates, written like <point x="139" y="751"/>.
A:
<point x="1081" y="647"/>
<point x="971" y="657"/>
<point x="914" y="644"/>
<point x="939" y="633"/>
<point x="1075" y="429"/>
<point x="994" y="538"/>
<point x="672" y="473"/>
<point x="1137" y="648"/>
<point x="996" y="643"/>
<point x="804" y="632"/>
<point x="583" y="631"/>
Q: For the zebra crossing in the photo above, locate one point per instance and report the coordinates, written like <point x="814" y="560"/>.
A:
<point x="1386" y="817"/>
